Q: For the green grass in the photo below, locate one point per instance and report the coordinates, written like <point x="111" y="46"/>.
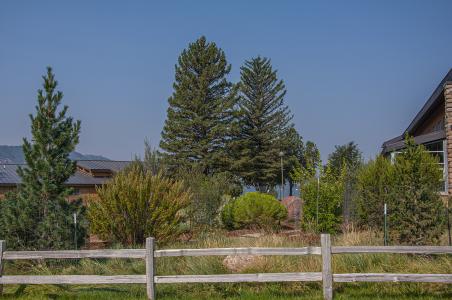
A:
<point x="249" y="291"/>
<point x="363" y="291"/>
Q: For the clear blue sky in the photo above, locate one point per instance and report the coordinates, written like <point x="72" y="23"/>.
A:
<point x="354" y="70"/>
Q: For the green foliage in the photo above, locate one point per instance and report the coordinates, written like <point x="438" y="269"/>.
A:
<point x="345" y="156"/>
<point x="209" y="194"/>
<point x="409" y="186"/>
<point x="153" y="160"/>
<point x="293" y="156"/>
<point x="323" y="198"/>
<point x="306" y="167"/>
<point x="416" y="210"/>
<point x="201" y="112"/>
<point x="136" y="204"/>
<point x="253" y="210"/>
<point x="345" y="161"/>
<point x="374" y="186"/>
<point x="264" y="121"/>
<point x="38" y="216"/>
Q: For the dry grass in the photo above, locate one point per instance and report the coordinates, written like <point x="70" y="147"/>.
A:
<point x="343" y="263"/>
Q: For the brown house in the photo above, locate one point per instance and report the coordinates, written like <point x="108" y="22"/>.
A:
<point x="432" y="127"/>
<point x="89" y="174"/>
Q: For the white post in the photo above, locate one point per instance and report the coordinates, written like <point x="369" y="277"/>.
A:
<point x="150" y="268"/>
<point x="327" y="274"/>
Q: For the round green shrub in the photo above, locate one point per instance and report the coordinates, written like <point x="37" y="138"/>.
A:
<point x="253" y="210"/>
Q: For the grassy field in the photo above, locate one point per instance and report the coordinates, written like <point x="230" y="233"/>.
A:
<point x="215" y="265"/>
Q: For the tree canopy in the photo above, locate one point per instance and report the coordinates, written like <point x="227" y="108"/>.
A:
<point x="201" y="112"/>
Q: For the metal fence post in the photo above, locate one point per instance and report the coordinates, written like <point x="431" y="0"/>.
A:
<point x="150" y="268"/>
<point x="327" y="274"/>
<point x="2" y="249"/>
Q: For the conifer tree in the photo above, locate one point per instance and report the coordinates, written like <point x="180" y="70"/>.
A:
<point x="39" y="216"/>
<point x="299" y="158"/>
<point x="200" y="116"/>
<point x="264" y="121"/>
<point x="293" y="156"/>
<point x="416" y="212"/>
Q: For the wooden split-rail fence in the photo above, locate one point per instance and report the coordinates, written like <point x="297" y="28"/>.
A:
<point x="149" y="254"/>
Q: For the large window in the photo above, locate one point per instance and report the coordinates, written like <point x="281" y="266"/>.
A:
<point x="437" y="149"/>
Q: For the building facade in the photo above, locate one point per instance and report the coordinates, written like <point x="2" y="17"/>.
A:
<point x="432" y="127"/>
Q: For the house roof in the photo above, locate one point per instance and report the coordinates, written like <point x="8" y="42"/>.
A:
<point x="9" y="176"/>
<point x="433" y="101"/>
<point x="101" y="165"/>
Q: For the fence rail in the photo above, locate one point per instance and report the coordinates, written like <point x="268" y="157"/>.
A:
<point x="149" y="254"/>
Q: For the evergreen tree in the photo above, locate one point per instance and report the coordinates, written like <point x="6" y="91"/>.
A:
<point x="308" y="165"/>
<point x="347" y="155"/>
<point x="311" y="158"/>
<point x="293" y="156"/>
<point x="416" y="212"/>
<point x="297" y="155"/>
<point x="38" y="216"/>
<point x="201" y="112"/>
<point x="264" y="121"/>
<point x="374" y="186"/>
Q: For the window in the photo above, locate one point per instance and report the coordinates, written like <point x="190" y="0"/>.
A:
<point x="437" y="149"/>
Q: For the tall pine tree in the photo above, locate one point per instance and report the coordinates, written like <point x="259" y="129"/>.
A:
<point x="201" y="110"/>
<point x="293" y="156"/>
<point x="39" y="216"/>
<point x="264" y="121"/>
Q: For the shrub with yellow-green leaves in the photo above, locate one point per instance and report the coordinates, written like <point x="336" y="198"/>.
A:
<point x="136" y="204"/>
<point x="253" y="210"/>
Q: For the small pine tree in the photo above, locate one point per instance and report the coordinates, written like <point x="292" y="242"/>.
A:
<point x="264" y="122"/>
<point x="416" y="212"/>
<point x="374" y="186"/>
<point x="201" y="112"/>
<point x="38" y="216"/>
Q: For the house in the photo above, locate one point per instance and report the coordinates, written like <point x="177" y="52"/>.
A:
<point x="88" y="175"/>
<point x="432" y="127"/>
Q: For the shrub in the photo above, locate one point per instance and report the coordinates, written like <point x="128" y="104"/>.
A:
<point x="374" y="186"/>
<point x="416" y="212"/>
<point x="327" y="196"/>
<point x="253" y="210"/>
<point x="409" y="187"/>
<point x="209" y="192"/>
<point x="136" y="204"/>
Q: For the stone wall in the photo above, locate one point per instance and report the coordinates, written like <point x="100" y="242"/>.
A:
<point x="448" y="125"/>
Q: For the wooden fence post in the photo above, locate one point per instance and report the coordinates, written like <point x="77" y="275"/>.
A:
<point x="150" y="268"/>
<point x="2" y="249"/>
<point x="327" y="274"/>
